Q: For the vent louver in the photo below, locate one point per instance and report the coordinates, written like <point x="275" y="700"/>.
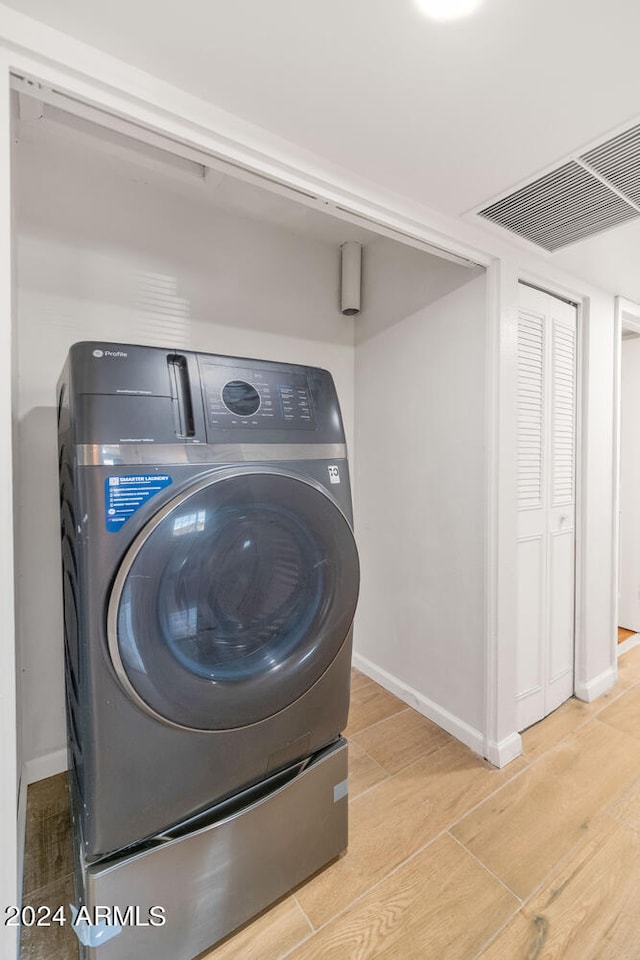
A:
<point x="591" y="193"/>
<point x="618" y="160"/>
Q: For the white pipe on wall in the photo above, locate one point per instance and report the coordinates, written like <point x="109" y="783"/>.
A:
<point x="351" y="278"/>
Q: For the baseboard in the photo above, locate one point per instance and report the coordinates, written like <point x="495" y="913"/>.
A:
<point x="42" y="767"/>
<point x="448" y="721"/>
<point x="594" y="688"/>
<point x="628" y="644"/>
<point x="502" y="753"/>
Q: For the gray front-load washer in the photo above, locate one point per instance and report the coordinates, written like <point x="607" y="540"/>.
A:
<point x="210" y="582"/>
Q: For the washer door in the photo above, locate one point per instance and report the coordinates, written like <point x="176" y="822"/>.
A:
<point x="233" y="600"/>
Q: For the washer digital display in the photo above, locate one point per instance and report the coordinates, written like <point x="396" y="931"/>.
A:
<point x="241" y="398"/>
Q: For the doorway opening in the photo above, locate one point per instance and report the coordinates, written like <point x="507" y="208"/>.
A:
<point x="628" y="579"/>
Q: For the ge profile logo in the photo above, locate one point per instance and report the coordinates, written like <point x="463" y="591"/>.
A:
<point x="110" y="353"/>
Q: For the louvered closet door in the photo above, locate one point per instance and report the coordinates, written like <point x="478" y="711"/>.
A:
<point x="546" y="503"/>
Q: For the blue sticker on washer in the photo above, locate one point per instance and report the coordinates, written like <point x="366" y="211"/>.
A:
<point x="124" y="495"/>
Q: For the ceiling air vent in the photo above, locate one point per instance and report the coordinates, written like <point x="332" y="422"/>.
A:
<point x="562" y="207"/>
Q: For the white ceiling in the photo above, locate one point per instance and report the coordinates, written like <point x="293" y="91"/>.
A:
<point x="449" y="114"/>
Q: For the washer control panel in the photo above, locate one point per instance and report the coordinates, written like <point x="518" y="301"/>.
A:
<point x="255" y="398"/>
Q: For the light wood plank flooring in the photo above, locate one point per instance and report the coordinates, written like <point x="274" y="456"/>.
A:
<point x="449" y="858"/>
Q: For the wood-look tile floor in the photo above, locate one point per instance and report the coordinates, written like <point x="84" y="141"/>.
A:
<point x="48" y="869"/>
<point x="450" y="858"/>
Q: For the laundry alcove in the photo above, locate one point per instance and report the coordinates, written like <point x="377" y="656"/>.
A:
<point x="115" y="240"/>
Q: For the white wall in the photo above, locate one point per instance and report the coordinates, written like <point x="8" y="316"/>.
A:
<point x="12" y="833"/>
<point x="421" y="426"/>
<point x="629" y="596"/>
<point x="107" y="256"/>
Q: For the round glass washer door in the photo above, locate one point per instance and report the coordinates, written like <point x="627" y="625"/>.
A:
<point x="234" y="599"/>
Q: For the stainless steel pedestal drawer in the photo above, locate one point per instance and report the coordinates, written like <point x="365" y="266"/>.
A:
<point x="210" y="879"/>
